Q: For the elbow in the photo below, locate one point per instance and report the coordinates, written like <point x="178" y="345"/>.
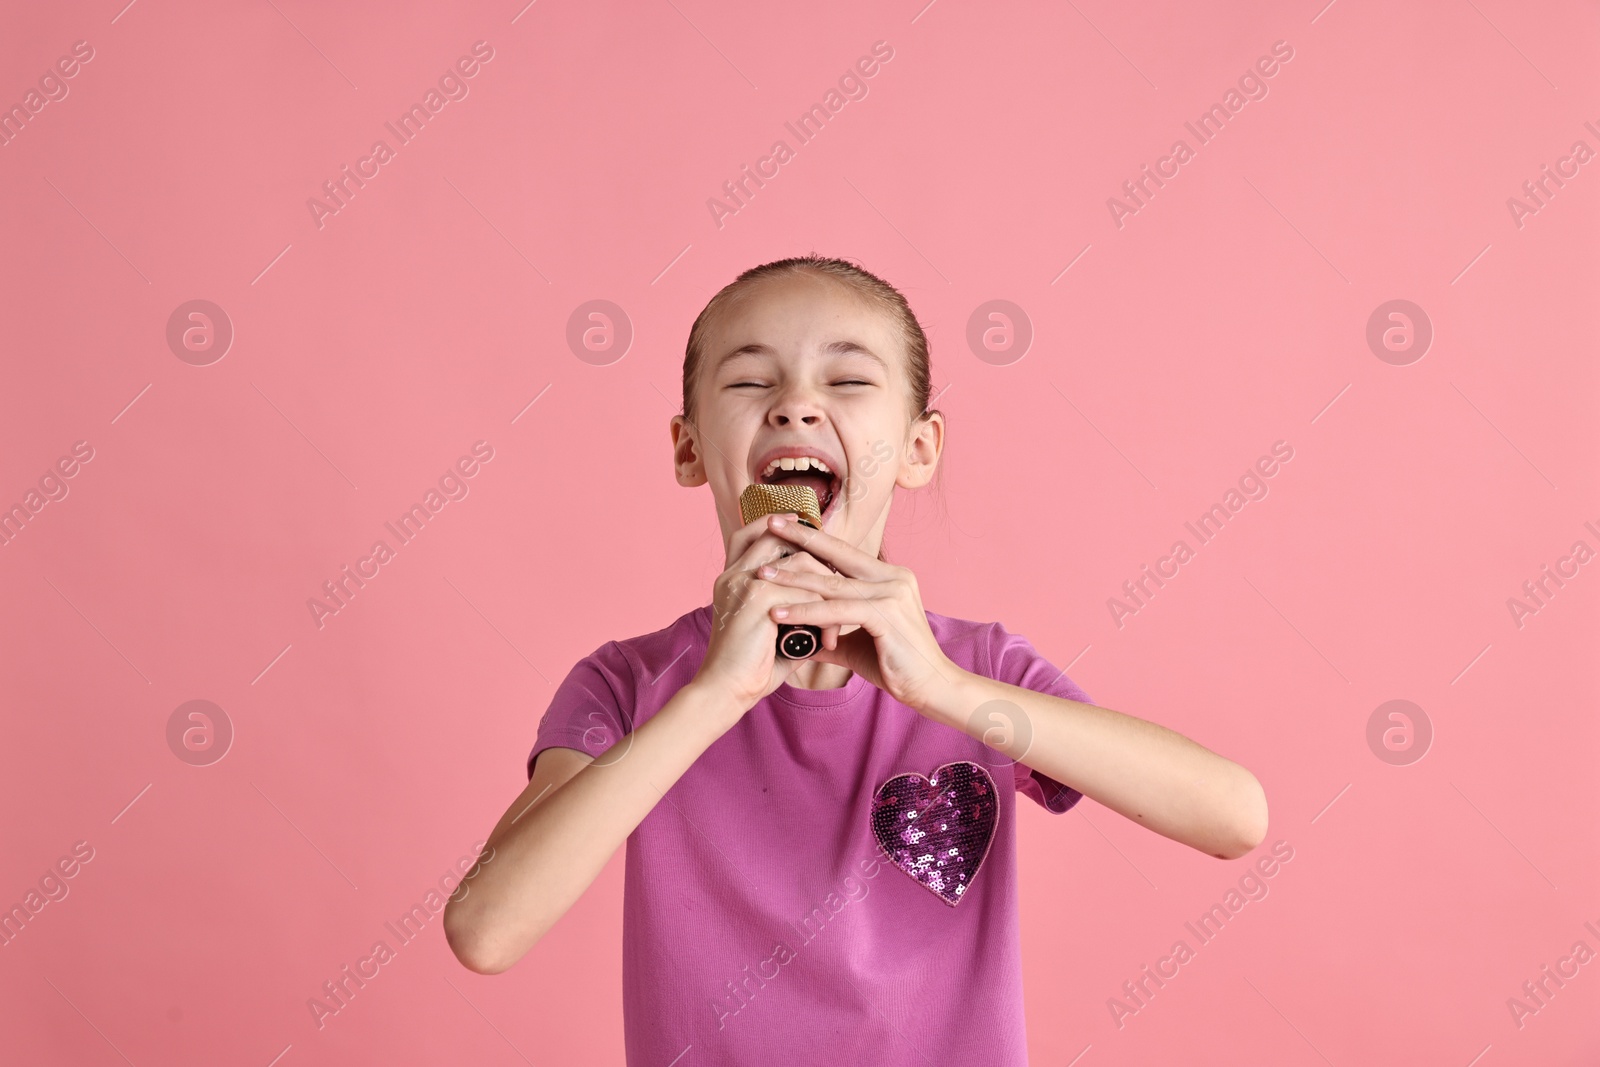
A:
<point x="477" y="957"/>
<point x="1248" y="819"/>
<point x="482" y="965"/>
<point x="475" y="951"/>
<point x="486" y="941"/>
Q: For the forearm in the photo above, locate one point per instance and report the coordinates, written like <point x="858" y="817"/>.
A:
<point x="547" y="855"/>
<point x="1144" y="771"/>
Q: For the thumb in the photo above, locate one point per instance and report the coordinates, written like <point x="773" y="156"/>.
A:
<point x="855" y="650"/>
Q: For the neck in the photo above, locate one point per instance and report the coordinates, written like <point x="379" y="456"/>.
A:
<point x="814" y="674"/>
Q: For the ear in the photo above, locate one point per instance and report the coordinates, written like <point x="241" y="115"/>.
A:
<point x="925" y="443"/>
<point x="687" y="462"/>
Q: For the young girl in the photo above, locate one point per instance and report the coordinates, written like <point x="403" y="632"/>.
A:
<point x="821" y="859"/>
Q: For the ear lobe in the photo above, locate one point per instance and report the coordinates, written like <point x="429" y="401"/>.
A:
<point x="691" y="477"/>
<point x="688" y="466"/>
<point x="922" y="452"/>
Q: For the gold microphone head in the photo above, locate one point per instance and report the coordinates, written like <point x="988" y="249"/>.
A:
<point x="760" y="499"/>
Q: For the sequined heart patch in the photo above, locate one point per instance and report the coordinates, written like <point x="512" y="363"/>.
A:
<point x="938" y="829"/>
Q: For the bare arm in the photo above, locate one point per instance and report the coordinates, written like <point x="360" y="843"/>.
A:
<point x="1146" y="772"/>
<point x="557" y="836"/>
<point x="1140" y="769"/>
<point x="552" y="843"/>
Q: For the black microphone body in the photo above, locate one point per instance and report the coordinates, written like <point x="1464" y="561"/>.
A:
<point x="795" y="641"/>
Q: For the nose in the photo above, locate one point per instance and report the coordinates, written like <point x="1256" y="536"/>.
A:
<point x="796" y="406"/>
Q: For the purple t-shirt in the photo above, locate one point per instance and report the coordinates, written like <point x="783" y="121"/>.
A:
<point x="762" y="919"/>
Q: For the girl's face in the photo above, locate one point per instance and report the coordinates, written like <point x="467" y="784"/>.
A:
<point x="799" y="366"/>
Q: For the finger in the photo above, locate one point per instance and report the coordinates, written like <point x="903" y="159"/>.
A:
<point x="827" y="584"/>
<point x="752" y="604"/>
<point x="863" y="613"/>
<point x="843" y="556"/>
<point x="745" y="536"/>
<point x="760" y="553"/>
<point x="855" y="650"/>
<point x="847" y="647"/>
<point x="798" y="562"/>
<point x="754" y="544"/>
<point x="766" y="596"/>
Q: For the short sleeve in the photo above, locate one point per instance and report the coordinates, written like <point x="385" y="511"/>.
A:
<point x="592" y="708"/>
<point x="1013" y="660"/>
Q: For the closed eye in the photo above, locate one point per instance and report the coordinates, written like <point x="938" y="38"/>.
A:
<point x="764" y="385"/>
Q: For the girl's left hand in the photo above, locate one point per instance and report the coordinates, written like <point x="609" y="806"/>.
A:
<point x="894" y="649"/>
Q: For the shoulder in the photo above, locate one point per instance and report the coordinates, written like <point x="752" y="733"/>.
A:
<point x="968" y="643"/>
<point x="991" y="650"/>
<point x="612" y="686"/>
<point x="625" y="660"/>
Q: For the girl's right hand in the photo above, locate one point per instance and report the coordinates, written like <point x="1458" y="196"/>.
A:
<point x="742" y="660"/>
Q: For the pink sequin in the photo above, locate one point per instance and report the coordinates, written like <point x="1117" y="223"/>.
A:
<point x="938" y="829"/>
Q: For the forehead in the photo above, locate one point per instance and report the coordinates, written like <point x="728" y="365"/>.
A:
<point x="800" y="314"/>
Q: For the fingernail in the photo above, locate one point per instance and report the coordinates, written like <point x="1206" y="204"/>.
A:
<point x="767" y="572"/>
<point x="778" y="522"/>
<point x="780" y="613"/>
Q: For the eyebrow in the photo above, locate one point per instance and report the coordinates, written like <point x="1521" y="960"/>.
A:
<point x="832" y="348"/>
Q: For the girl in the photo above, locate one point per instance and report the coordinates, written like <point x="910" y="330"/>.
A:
<point x="821" y="854"/>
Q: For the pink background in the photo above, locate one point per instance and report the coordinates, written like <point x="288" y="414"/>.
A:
<point x="369" y="354"/>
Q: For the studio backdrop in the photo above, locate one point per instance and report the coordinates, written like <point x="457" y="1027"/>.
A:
<point x="340" y="347"/>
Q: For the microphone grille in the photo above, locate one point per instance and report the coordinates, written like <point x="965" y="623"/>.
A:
<point x="760" y="499"/>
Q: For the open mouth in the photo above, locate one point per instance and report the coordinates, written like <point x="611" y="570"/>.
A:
<point x="805" y="470"/>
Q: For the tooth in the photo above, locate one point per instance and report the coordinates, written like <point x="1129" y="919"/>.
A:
<point x="821" y="466"/>
<point x="786" y="463"/>
<point x="802" y="463"/>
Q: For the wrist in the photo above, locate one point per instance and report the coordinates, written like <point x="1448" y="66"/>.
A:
<point x="715" y="700"/>
<point x="954" y="700"/>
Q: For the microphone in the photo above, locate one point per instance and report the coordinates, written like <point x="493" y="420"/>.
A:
<point x="794" y="641"/>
